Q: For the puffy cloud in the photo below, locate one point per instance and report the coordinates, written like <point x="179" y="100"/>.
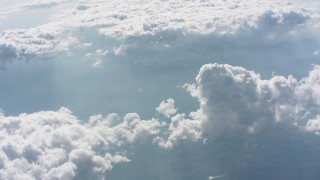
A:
<point x="55" y="145"/>
<point x="235" y="100"/>
<point x="133" y="128"/>
<point x="167" y="108"/>
<point x="180" y="129"/>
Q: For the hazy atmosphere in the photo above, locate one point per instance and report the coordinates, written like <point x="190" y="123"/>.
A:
<point x="160" y="89"/>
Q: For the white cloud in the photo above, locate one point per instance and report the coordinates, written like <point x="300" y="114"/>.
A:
<point x="130" y="20"/>
<point x="192" y="17"/>
<point x="133" y="128"/>
<point x="42" y="41"/>
<point x="236" y="101"/>
<point x="167" y="108"/>
<point x="55" y="145"/>
<point x="180" y="129"/>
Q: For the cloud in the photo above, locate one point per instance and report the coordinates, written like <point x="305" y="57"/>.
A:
<point x="237" y="101"/>
<point x="250" y="114"/>
<point x="271" y="21"/>
<point x="181" y="128"/>
<point x="163" y="21"/>
<point x="167" y="108"/>
<point x="189" y="18"/>
<point x="42" y="42"/>
<point x="195" y="17"/>
<point x="198" y="28"/>
<point x="248" y="123"/>
<point x="133" y="128"/>
<point x="56" y="145"/>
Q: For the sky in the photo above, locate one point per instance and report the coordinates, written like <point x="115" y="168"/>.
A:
<point x="136" y="89"/>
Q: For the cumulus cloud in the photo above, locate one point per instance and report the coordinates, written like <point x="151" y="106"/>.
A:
<point x="55" y="145"/>
<point x="181" y="128"/>
<point x="167" y="108"/>
<point x="235" y="100"/>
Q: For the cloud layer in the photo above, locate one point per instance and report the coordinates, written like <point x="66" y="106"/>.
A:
<point x="162" y="21"/>
<point x="191" y="17"/>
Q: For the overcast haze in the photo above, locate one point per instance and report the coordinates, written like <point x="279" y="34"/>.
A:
<point x="204" y="89"/>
